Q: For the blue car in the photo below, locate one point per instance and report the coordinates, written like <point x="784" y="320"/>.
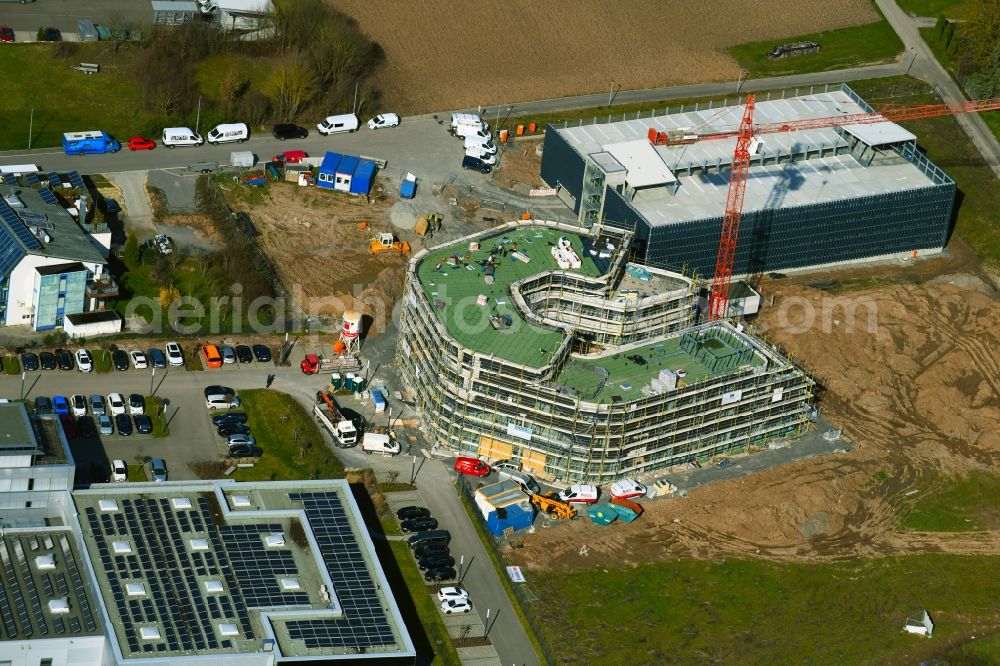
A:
<point x="60" y="404"/>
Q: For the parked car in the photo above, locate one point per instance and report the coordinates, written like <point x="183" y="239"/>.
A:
<point x="158" y="469"/>
<point x="174" y="354"/>
<point x="229" y="417"/>
<point x="51" y="35"/>
<point x="156" y="358"/>
<point x="85" y="424"/>
<point x="139" y="360"/>
<point x="141" y="143"/>
<point x="227" y="429"/>
<point x="431" y="549"/>
<point x="97" y="405"/>
<point x="383" y="120"/>
<point x="627" y="488"/>
<point x="228" y="354"/>
<point x="143" y="424"/>
<point x="471" y="466"/>
<point x="456" y="606"/>
<point x="476" y="164"/>
<point x="408" y="512"/>
<point x="284" y="131"/>
<point x="29" y="361"/>
<point x="124" y="424"/>
<point x="438" y="575"/>
<point x="116" y="403"/>
<point x="436" y="562"/>
<point x="245" y="451"/>
<point x="48" y="361"/>
<point x="60" y="405"/>
<point x="724" y="463"/>
<point x="136" y="404"/>
<point x="507" y="465"/>
<point x="451" y="593"/>
<point x="43" y="405"/>
<point x="240" y="438"/>
<point x="109" y="207"/>
<point x="65" y="359"/>
<point x="119" y="358"/>
<point x="104" y="425"/>
<point x="244" y="354"/>
<point x="84" y="360"/>
<point x="6" y="34"/>
<point x="221" y="397"/>
<point x="78" y="404"/>
<point x="119" y="471"/>
<point x="419" y="524"/>
<point x="580" y="494"/>
<point x="262" y="353"/>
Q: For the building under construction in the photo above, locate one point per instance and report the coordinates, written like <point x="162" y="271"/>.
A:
<point x="542" y="343"/>
<point x="817" y="197"/>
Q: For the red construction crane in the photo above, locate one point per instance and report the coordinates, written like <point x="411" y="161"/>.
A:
<point x="719" y="299"/>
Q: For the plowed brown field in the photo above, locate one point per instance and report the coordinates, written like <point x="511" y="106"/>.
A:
<point x="443" y="54"/>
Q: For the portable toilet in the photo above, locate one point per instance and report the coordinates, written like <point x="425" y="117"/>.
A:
<point x="505" y="507"/>
<point x="363" y="178"/>
<point x="328" y="170"/>
<point x="345" y="173"/>
<point x="336" y="381"/>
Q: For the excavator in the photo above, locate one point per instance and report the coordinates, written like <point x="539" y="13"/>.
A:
<point x="386" y="242"/>
<point x="553" y="507"/>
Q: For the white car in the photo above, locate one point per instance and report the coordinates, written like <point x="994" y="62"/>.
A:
<point x="487" y="158"/>
<point x="579" y="494"/>
<point x="449" y="593"/>
<point x="383" y="120"/>
<point x="136" y="404"/>
<point x="456" y="606"/>
<point x="119" y="471"/>
<point x="116" y="404"/>
<point x="139" y="360"/>
<point x="627" y="488"/>
<point x="78" y="403"/>
<point x="174" y="354"/>
<point x="84" y="360"/>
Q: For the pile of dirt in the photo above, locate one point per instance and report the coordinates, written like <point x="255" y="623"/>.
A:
<point x="913" y="380"/>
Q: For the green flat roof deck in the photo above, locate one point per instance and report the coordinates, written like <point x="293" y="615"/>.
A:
<point x="626" y="379"/>
<point x="453" y="292"/>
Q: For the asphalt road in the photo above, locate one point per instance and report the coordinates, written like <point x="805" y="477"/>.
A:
<point x="64" y="14"/>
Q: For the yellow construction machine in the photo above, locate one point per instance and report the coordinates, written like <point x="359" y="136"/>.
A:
<point x="553" y="507"/>
<point x="386" y="242"/>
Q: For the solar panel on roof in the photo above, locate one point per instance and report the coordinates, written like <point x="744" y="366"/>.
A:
<point x="9" y="179"/>
<point x="48" y="196"/>
<point x="32" y="178"/>
<point x="53" y="179"/>
<point x="75" y="180"/>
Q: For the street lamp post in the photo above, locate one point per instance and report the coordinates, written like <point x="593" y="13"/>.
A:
<point x="611" y="94"/>
<point x="913" y="59"/>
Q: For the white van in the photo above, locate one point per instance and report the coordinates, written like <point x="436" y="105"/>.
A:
<point x="229" y="132"/>
<point x="480" y="144"/>
<point x="482" y="155"/>
<point x="347" y="122"/>
<point x="521" y="478"/>
<point x="469" y="119"/>
<point x="379" y="443"/>
<point x="180" y="136"/>
<point x="466" y="131"/>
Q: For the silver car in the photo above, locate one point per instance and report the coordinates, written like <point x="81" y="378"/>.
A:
<point x="158" y="469"/>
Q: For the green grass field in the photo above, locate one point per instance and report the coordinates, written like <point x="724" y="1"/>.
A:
<point x="754" y="612"/>
<point x="956" y="9"/>
<point x="11" y="365"/>
<point x="972" y="503"/>
<point x="847" y="47"/>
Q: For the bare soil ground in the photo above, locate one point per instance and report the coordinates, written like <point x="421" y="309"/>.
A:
<point x="520" y="166"/>
<point x="917" y="396"/>
<point x="446" y="55"/>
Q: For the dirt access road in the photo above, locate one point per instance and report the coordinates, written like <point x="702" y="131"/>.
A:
<point x="916" y="394"/>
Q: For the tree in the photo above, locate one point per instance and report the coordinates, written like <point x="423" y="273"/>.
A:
<point x="168" y="294"/>
<point x="981" y="36"/>
<point x="232" y="89"/>
<point x="292" y="88"/>
<point x="939" y="26"/>
<point x="297" y="22"/>
<point x="133" y="255"/>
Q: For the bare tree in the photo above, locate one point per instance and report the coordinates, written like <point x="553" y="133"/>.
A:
<point x="292" y="87"/>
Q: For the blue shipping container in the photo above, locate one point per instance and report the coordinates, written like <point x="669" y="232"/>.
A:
<point x="93" y="142"/>
<point x="363" y="178"/>
<point x="328" y="170"/>
<point x="345" y="173"/>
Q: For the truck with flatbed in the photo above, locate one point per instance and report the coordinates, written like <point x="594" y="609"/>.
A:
<point x="330" y="417"/>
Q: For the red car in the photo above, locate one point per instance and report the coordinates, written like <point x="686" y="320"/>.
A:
<point x="141" y="143"/>
<point x="6" y="34"/>
<point x="471" y="466"/>
<point x="291" y="156"/>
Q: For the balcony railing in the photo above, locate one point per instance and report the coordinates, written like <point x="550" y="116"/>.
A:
<point x="103" y="287"/>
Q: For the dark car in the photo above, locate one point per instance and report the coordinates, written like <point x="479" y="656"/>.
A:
<point x="436" y="562"/>
<point x="419" y="524"/>
<point x="216" y="389"/>
<point x="438" y="575"/>
<point x="143" y="424"/>
<point x="86" y="426"/>
<point x="262" y="353"/>
<point x="284" y="131"/>
<point x="109" y="207"/>
<point x="227" y="429"/>
<point x="245" y="451"/>
<point x="476" y="164"/>
<point x="408" y="512"/>
<point x="51" y="35"/>
<point x="48" y="361"/>
<point x="43" y="405"/>
<point x="430" y="550"/>
<point x="29" y="361"/>
<point x="229" y="417"/>
<point x="120" y="358"/>
<point x="65" y="358"/>
<point x="724" y="463"/>
<point x="157" y="358"/>
<point x="244" y="354"/>
<point x="124" y="424"/>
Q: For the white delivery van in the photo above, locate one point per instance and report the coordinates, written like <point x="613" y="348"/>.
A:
<point x="521" y="478"/>
<point x="480" y="154"/>
<point x="480" y="144"/>
<point x="180" y="136"/>
<point x="347" y="122"/>
<point x="379" y="443"/>
<point x="228" y="133"/>
<point x="466" y="131"/>
<point x="469" y="119"/>
<point x="383" y="120"/>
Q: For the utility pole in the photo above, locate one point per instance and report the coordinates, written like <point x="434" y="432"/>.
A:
<point x="22" y="387"/>
<point x="197" y="122"/>
<point x="152" y="376"/>
<point x="31" y="126"/>
<point x="354" y="109"/>
<point x="913" y="59"/>
<point x="611" y="94"/>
